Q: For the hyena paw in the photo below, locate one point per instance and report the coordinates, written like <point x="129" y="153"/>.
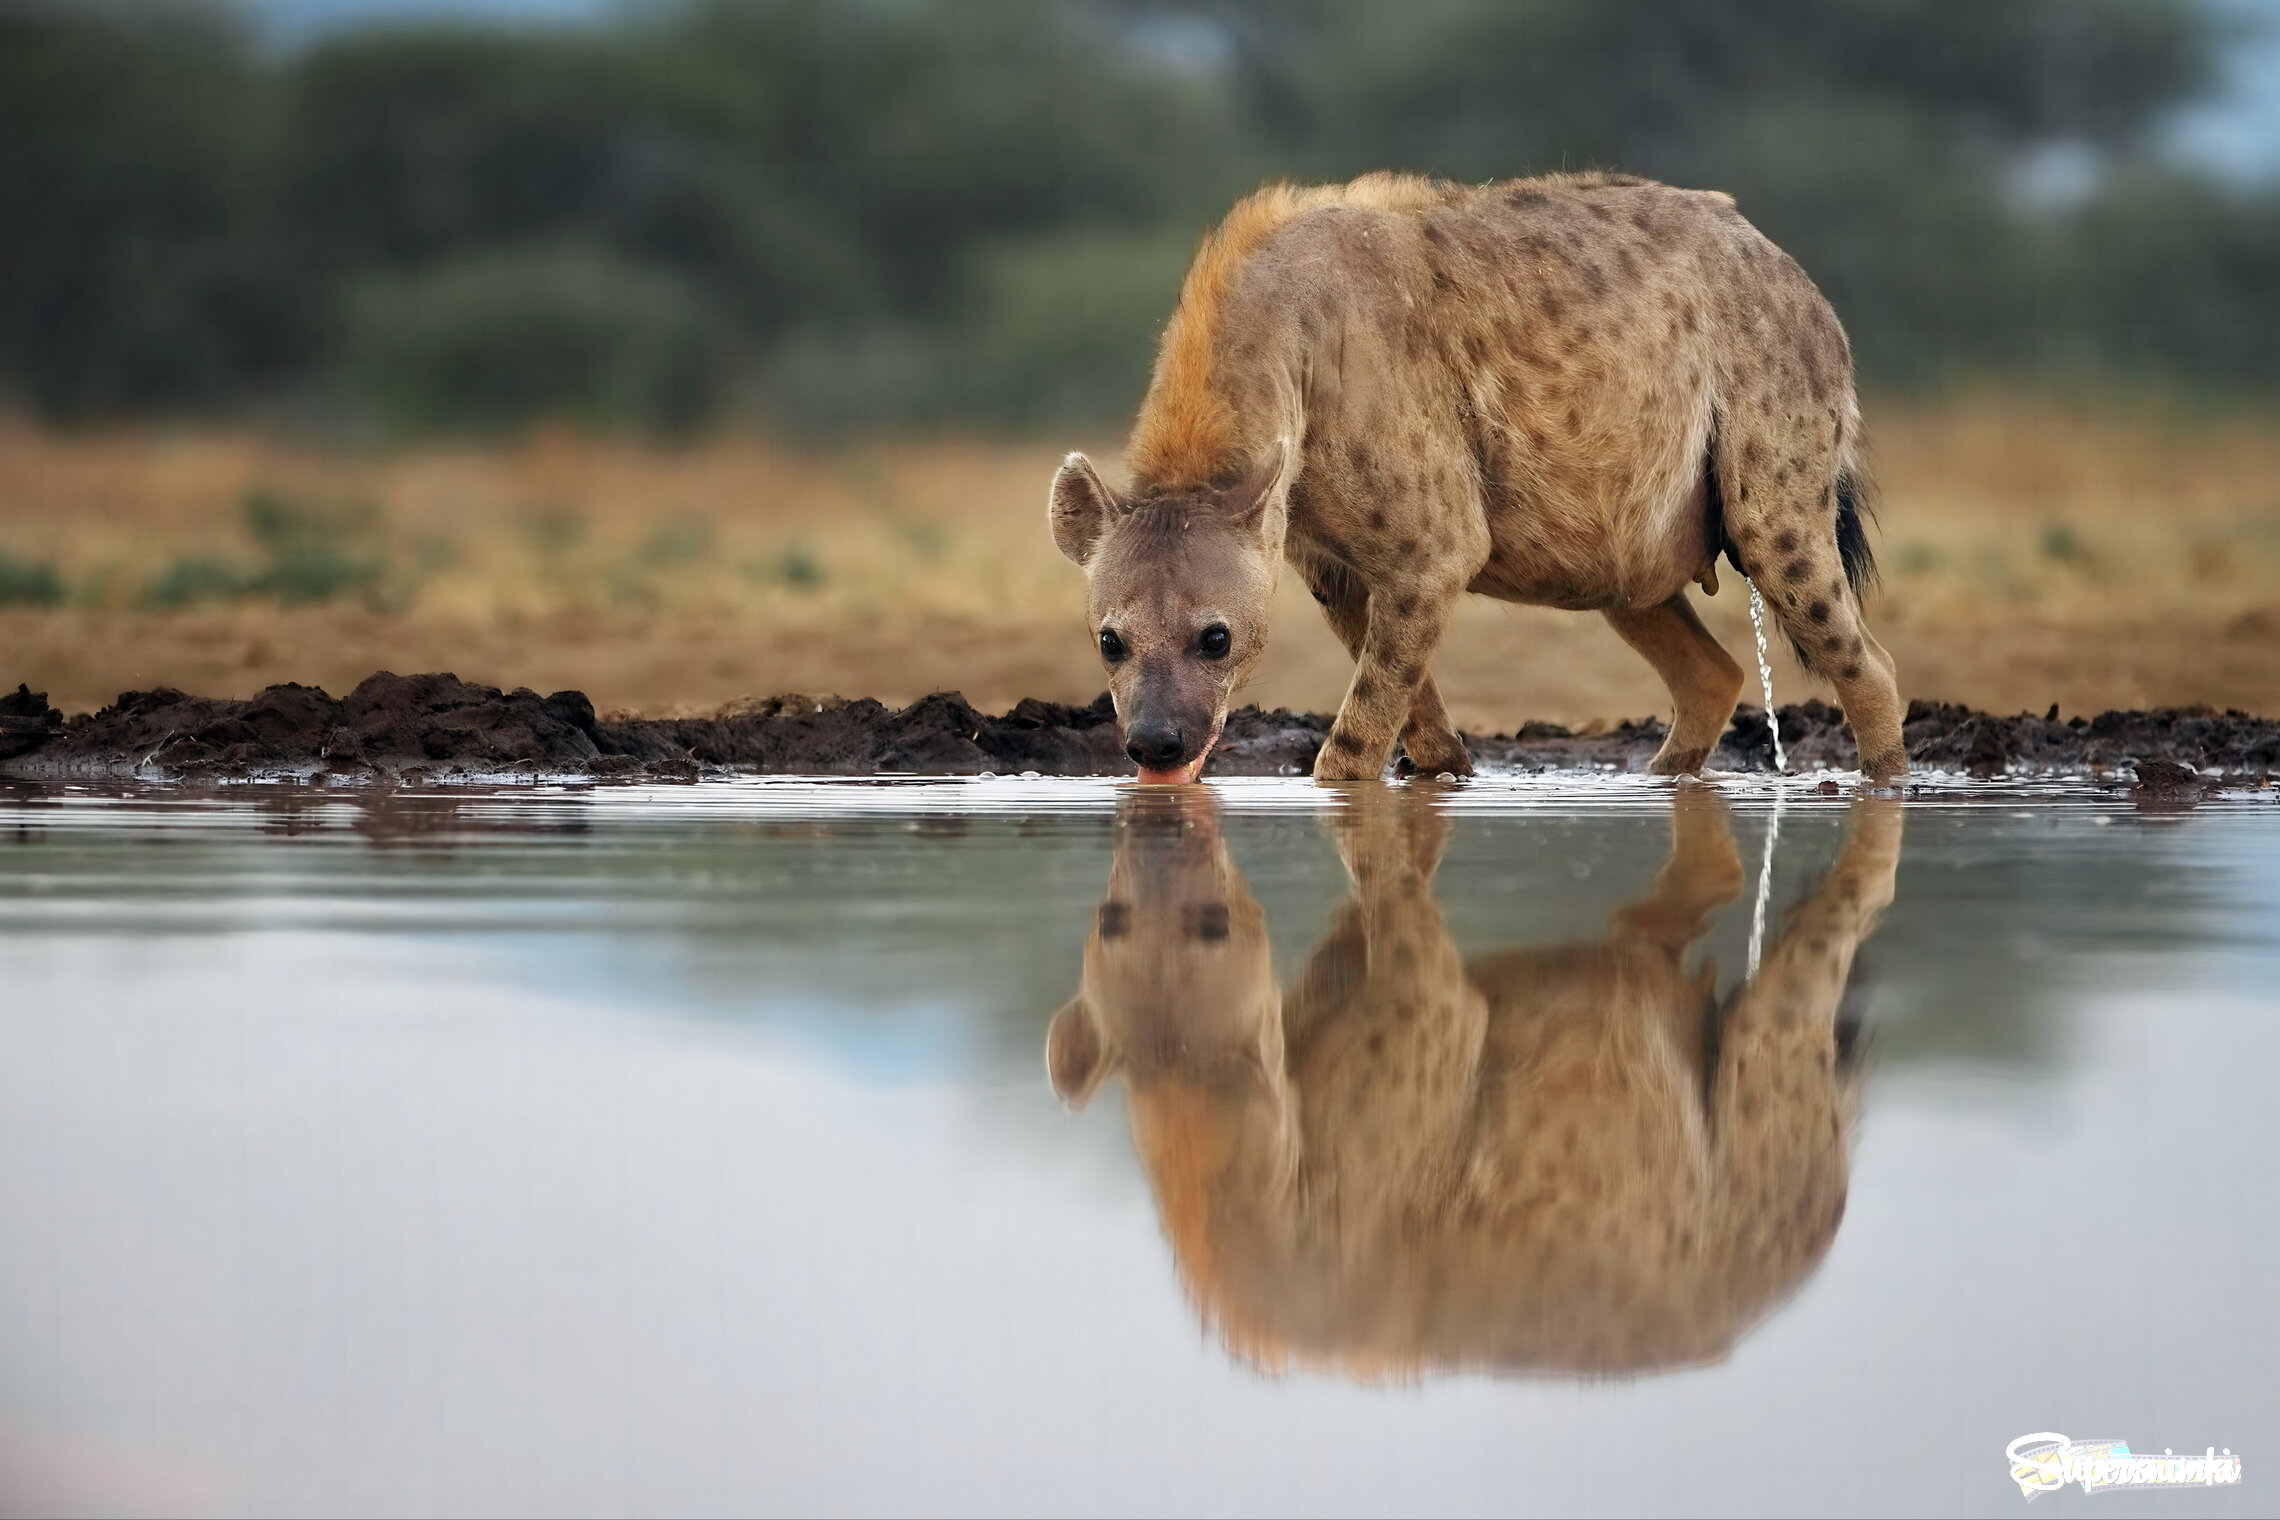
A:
<point x="1434" y="760"/>
<point x="1890" y="765"/>
<point x="1670" y="761"/>
<point x="1337" y="763"/>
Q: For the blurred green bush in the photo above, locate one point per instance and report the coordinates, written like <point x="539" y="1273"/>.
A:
<point x="497" y="340"/>
<point x="310" y="552"/>
<point x="29" y="583"/>
<point x="974" y="211"/>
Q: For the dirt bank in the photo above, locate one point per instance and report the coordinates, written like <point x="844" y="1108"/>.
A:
<point x="438" y="727"/>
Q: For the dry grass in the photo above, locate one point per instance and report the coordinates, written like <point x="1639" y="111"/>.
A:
<point x="2032" y="556"/>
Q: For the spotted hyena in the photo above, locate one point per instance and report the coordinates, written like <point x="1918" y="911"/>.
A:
<point x="1564" y="1158"/>
<point x="1574" y="391"/>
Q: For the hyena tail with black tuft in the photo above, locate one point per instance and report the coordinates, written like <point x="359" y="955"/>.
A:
<point x="1855" y="510"/>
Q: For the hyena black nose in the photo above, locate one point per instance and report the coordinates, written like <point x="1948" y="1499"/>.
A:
<point x="1154" y="744"/>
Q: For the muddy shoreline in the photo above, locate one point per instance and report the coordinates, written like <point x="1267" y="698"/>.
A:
<point x="437" y="728"/>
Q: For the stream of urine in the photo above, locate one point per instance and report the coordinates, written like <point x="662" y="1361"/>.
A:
<point x="1765" y="676"/>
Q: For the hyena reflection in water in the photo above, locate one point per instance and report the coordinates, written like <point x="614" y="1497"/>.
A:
<point x="1563" y="1160"/>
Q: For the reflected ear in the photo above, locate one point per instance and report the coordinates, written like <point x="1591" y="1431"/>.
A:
<point x="1077" y="1059"/>
<point x="1266" y="487"/>
<point x="1080" y="507"/>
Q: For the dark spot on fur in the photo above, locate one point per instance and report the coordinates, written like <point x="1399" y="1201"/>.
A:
<point x="1628" y="262"/>
<point x="1785" y="542"/>
<point x="1407" y="546"/>
<point x="1405" y="604"/>
<point x="1551" y="306"/>
<point x="1595" y="278"/>
<point x="1377" y="518"/>
<point x="1114" y="918"/>
<point x="1851" y="672"/>
<point x="1809" y="358"/>
<point x="1344" y="742"/>
<point x="1796" y="570"/>
<point x="1818" y="612"/>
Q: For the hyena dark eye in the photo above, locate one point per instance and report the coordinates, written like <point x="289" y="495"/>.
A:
<point x="1214" y="643"/>
<point x="1114" y="919"/>
<point x="1111" y="647"/>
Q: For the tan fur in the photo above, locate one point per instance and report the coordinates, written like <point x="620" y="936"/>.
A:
<point x="1187" y="430"/>
<point x="1543" y="390"/>
<point x="1531" y="1160"/>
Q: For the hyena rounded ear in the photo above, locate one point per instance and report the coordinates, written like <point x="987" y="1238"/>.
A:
<point x="1077" y="1059"/>
<point x="1080" y="508"/>
<point x="1266" y="486"/>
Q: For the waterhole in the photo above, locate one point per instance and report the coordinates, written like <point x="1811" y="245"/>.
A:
<point x="697" y="1148"/>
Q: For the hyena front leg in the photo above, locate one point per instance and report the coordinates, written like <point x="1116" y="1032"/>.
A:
<point x="1428" y="738"/>
<point x="1403" y="628"/>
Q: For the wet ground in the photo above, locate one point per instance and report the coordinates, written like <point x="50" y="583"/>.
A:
<point x="438" y="728"/>
<point x="1561" y="1145"/>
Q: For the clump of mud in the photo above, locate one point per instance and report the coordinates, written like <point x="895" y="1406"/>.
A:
<point x="438" y="727"/>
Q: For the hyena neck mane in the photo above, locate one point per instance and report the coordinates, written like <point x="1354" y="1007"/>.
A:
<point x="1191" y="435"/>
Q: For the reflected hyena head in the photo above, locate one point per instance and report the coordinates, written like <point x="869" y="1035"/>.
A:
<point x="1178" y="987"/>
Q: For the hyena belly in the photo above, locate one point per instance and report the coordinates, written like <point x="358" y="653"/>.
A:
<point x="1510" y="376"/>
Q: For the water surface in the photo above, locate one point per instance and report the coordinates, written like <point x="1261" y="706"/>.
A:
<point x="695" y="1149"/>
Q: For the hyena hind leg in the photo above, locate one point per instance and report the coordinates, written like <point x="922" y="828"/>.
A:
<point x="1790" y="549"/>
<point x="1704" y="681"/>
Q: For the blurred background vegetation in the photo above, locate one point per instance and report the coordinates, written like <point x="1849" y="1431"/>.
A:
<point x="961" y="213"/>
<point x="686" y="350"/>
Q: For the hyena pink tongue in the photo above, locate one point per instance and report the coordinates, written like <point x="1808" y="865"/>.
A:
<point x="1179" y="777"/>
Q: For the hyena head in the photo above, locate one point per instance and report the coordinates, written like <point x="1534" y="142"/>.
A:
<point x="1178" y="587"/>
<point x="1179" y="989"/>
